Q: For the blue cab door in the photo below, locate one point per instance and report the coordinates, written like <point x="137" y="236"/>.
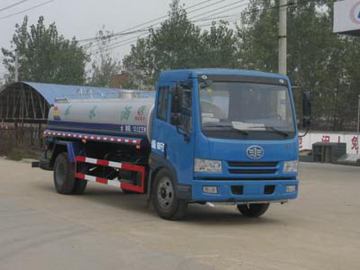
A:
<point x="168" y="140"/>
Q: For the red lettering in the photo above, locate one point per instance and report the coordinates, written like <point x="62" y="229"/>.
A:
<point x="355" y="144"/>
<point x="325" y="139"/>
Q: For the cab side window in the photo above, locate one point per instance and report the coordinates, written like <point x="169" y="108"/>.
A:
<point x="181" y="107"/>
<point x="162" y="105"/>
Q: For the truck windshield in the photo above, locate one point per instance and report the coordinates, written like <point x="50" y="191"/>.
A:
<point x="246" y="110"/>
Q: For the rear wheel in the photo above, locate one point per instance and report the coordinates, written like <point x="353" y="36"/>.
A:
<point x="164" y="198"/>
<point x="79" y="187"/>
<point x="253" y="209"/>
<point x="64" y="177"/>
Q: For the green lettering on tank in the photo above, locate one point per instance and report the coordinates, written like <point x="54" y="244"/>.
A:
<point x="125" y="114"/>
<point x="92" y="112"/>
<point x="142" y="110"/>
<point x="67" y="111"/>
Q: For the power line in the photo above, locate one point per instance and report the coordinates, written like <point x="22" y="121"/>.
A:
<point x="165" y="16"/>
<point x="289" y="4"/>
<point x="118" y="34"/>
<point x="213" y="12"/>
<point x="13" y="5"/>
<point x="221" y="12"/>
<point x="25" y="10"/>
<point x="210" y="5"/>
<point x="188" y="10"/>
<point x="154" y="20"/>
<point x="216" y="18"/>
<point x="233" y="5"/>
<point x="131" y="40"/>
<point x="123" y="43"/>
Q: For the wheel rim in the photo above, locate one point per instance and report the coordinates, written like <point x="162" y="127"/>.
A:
<point x="165" y="193"/>
<point x="60" y="173"/>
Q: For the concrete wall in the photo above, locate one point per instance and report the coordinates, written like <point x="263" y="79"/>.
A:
<point x="351" y="140"/>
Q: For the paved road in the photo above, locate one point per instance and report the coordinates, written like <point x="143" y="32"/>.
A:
<point x="105" y="229"/>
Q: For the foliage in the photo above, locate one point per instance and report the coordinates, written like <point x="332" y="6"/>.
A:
<point x="258" y="37"/>
<point x="177" y="44"/>
<point x="45" y="55"/>
<point x="318" y="60"/>
<point x="104" y="66"/>
<point x="219" y="46"/>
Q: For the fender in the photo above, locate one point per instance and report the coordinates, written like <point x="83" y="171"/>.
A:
<point x="157" y="162"/>
<point x="73" y="149"/>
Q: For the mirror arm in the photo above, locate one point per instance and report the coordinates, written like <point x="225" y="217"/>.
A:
<point x="306" y="132"/>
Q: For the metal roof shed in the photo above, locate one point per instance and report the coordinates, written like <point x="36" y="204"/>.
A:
<point x="29" y="102"/>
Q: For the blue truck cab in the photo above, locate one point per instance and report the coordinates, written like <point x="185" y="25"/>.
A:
<point x="225" y="135"/>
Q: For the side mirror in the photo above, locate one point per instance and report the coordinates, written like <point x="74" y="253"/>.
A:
<point x="306" y="108"/>
<point x="205" y="83"/>
<point x="188" y="84"/>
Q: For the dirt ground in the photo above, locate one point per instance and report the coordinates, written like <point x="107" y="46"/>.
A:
<point x="105" y="229"/>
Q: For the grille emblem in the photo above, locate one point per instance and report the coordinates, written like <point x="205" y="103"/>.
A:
<point x="255" y="152"/>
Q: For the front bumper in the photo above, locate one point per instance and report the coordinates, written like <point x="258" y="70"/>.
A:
<point x="245" y="190"/>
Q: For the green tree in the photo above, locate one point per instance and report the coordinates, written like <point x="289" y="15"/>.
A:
<point x="175" y="44"/>
<point x="140" y="65"/>
<point x="257" y="37"/>
<point x="318" y="60"/>
<point x="104" y="66"/>
<point x="219" y="46"/>
<point x="45" y="55"/>
<point x="178" y="43"/>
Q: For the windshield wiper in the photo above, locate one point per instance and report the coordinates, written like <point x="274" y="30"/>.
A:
<point x="244" y="132"/>
<point x="226" y="126"/>
<point x="278" y="131"/>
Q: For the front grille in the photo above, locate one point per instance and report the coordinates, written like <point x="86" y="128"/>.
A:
<point x="255" y="171"/>
<point x="247" y="178"/>
<point x="256" y="167"/>
<point x="252" y="164"/>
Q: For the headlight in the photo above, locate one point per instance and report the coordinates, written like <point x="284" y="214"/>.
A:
<point x="205" y="165"/>
<point x="290" y="166"/>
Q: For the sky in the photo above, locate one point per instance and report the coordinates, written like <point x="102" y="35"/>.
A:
<point x="83" y="18"/>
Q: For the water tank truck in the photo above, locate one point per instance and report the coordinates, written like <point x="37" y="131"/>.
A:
<point x="204" y="136"/>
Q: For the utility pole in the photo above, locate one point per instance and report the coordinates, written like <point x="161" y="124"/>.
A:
<point x="282" y="36"/>
<point x="358" y="124"/>
<point x="16" y="65"/>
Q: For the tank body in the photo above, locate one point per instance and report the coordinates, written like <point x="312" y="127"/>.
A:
<point x="123" y="116"/>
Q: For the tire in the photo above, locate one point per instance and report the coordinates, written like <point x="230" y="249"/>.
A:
<point x="79" y="187"/>
<point x="253" y="210"/>
<point x="64" y="180"/>
<point x="164" y="198"/>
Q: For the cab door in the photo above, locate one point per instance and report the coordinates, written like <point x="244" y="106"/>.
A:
<point x="173" y="136"/>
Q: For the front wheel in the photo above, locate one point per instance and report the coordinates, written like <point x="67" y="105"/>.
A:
<point x="64" y="180"/>
<point x="253" y="209"/>
<point x="164" y="198"/>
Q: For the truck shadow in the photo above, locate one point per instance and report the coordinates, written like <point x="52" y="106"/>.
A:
<point x="223" y="216"/>
<point x="197" y="214"/>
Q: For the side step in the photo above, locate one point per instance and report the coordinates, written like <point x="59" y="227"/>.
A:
<point x="116" y="165"/>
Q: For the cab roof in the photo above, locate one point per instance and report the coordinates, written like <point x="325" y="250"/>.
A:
<point x="183" y="74"/>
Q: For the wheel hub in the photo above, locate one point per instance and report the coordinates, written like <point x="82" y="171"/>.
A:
<point x="165" y="192"/>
